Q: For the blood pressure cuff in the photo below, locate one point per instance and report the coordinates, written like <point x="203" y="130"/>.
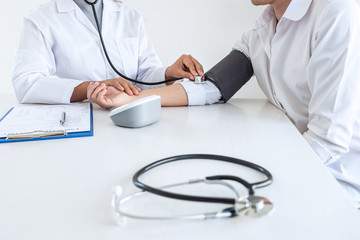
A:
<point x="231" y="73"/>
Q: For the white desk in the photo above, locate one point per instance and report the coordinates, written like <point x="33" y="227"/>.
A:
<point x="61" y="189"/>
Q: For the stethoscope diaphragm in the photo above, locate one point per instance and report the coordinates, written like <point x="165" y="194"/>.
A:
<point x="254" y="206"/>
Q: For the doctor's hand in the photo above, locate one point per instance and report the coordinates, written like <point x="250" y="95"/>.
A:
<point x="122" y="85"/>
<point x="107" y="96"/>
<point x="185" y="67"/>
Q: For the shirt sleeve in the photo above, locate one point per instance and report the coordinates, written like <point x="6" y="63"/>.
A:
<point x="242" y="45"/>
<point x="34" y="73"/>
<point x="333" y="74"/>
<point x="201" y="94"/>
<point x="150" y="68"/>
<point x="320" y="146"/>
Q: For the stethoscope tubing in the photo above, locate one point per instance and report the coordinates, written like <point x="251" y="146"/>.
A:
<point x="249" y="186"/>
<point x="92" y="4"/>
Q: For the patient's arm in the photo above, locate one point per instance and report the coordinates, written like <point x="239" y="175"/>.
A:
<point x="107" y="97"/>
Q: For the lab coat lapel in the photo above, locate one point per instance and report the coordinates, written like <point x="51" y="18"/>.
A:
<point x="84" y="20"/>
<point x="69" y="6"/>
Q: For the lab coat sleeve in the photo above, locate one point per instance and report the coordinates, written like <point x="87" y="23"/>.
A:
<point x="150" y="68"/>
<point x="34" y="73"/>
<point x="333" y="76"/>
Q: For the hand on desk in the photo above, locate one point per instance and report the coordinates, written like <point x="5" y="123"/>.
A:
<point x="122" y="85"/>
<point x="108" y="96"/>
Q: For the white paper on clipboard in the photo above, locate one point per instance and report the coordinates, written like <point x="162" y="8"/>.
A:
<point x="46" y="118"/>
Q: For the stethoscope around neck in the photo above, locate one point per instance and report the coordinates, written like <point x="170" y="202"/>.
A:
<point x="92" y="4"/>
<point x="250" y="205"/>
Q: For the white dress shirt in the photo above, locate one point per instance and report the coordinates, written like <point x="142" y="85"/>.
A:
<point x="60" y="48"/>
<point x="88" y="11"/>
<point x="308" y="65"/>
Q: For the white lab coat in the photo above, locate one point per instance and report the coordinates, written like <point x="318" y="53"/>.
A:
<point x="60" y="48"/>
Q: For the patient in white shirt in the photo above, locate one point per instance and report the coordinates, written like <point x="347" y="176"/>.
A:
<point x="305" y="55"/>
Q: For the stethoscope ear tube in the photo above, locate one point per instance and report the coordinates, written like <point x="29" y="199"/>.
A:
<point x="118" y="203"/>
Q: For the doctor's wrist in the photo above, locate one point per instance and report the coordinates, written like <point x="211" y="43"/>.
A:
<point x="168" y="76"/>
<point x="80" y="92"/>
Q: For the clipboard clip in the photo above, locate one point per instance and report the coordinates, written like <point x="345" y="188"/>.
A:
<point x="36" y="134"/>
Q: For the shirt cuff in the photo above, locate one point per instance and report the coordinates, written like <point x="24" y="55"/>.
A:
<point x="195" y="93"/>
<point x="51" y="90"/>
<point x="69" y="90"/>
<point x="201" y="94"/>
<point x="319" y="148"/>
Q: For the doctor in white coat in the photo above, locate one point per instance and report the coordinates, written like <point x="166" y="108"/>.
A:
<point x="60" y="52"/>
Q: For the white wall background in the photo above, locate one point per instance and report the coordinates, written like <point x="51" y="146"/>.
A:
<point x="207" y="29"/>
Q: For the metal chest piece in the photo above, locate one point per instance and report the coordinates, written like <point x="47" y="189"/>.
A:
<point x="254" y="206"/>
<point x="199" y="80"/>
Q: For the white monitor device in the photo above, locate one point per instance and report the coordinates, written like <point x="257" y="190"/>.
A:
<point x="139" y="113"/>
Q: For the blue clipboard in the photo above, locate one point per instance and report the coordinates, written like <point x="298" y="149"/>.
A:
<point x="68" y="135"/>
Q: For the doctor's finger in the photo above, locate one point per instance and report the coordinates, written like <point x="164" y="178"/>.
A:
<point x="185" y="74"/>
<point x="198" y="66"/>
<point x="117" y="84"/>
<point x="127" y="89"/>
<point x="188" y="63"/>
<point x="134" y="89"/>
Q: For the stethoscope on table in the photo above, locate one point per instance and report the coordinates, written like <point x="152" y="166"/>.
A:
<point x="250" y="205"/>
<point x="92" y="4"/>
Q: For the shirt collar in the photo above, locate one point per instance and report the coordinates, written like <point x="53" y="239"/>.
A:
<point x="267" y="16"/>
<point x="68" y="6"/>
<point x="295" y="11"/>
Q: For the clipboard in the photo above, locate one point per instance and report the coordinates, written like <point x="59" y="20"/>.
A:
<point x="39" y="135"/>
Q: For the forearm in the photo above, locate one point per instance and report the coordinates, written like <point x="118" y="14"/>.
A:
<point x="80" y="92"/>
<point x="173" y="95"/>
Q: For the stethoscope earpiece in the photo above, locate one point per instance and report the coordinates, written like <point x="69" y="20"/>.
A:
<point x="116" y="193"/>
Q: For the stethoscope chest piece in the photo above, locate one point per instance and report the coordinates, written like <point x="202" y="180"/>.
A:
<point x="254" y="206"/>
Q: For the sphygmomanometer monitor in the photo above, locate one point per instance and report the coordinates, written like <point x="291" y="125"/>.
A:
<point x="139" y="113"/>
